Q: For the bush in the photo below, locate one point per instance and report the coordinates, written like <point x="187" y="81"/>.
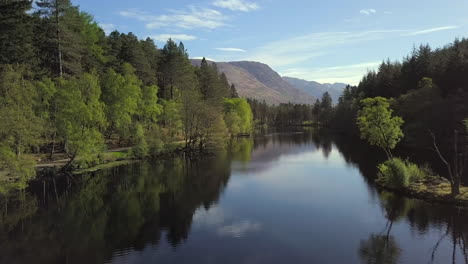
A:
<point x="397" y="173"/>
<point x="394" y="173"/>
<point x="141" y="146"/>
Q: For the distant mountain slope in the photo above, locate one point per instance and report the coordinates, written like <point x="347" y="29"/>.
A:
<point x="259" y="81"/>
<point x="317" y="89"/>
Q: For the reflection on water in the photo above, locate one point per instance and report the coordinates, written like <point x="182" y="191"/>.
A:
<point x="281" y="198"/>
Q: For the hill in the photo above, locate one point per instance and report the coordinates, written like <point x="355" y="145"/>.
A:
<point x="317" y="89"/>
<point x="257" y="80"/>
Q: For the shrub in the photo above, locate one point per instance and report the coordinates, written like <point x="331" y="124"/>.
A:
<point x="397" y="173"/>
<point x="415" y="173"/>
<point x="394" y="173"/>
<point x="141" y="146"/>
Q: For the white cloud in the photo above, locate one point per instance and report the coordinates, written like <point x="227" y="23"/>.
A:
<point x="430" y="30"/>
<point x="176" y="37"/>
<point x="367" y="12"/>
<point x="108" y="28"/>
<point x="231" y="49"/>
<point x="351" y="74"/>
<point x="192" y="17"/>
<point x="236" y="5"/>
<point x="303" y="48"/>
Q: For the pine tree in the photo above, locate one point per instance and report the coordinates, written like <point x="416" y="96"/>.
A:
<point x="16" y="32"/>
<point x="176" y="71"/>
<point x="234" y="93"/>
<point x="62" y="44"/>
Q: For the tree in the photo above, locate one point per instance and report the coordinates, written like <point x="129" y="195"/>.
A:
<point x="460" y="159"/>
<point x="326" y="108"/>
<point x="80" y="117"/>
<point x="17" y="33"/>
<point x="121" y="96"/>
<point x="238" y="116"/>
<point x="213" y="86"/>
<point x="378" y="126"/>
<point x="234" y="93"/>
<point x="149" y="109"/>
<point x="176" y="71"/>
<point x="21" y="128"/>
<point x="61" y="41"/>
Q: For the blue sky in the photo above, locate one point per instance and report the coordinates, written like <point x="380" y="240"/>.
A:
<point x="325" y="41"/>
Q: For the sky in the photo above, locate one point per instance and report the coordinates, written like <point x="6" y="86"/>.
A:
<point x="325" y="41"/>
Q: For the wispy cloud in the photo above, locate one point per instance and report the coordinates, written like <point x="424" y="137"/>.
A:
<point x="190" y="18"/>
<point x="367" y="12"/>
<point x="430" y="30"/>
<point x="177" y="37"/>
<point x="231" y="49"/>
<point x="303" y="48"/>
<point x="388" y="13"/>
<point x="351" y="74"/>
<point x="236" y="5"/>
<point x="108" y="28"/>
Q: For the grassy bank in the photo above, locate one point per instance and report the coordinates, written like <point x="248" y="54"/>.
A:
<point x="433" y="192"/>
<point x="104" y="160"/>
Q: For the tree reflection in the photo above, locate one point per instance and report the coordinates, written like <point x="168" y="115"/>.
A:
<point x="424" y="217"/>
<point x="379" y="249"/>
<point x="128" y="206"/>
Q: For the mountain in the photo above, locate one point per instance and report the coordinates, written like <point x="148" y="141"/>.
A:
<point x="317" y="89"/>
<point x="257" y="80"/>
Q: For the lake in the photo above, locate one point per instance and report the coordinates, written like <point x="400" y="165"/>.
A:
<point x="296" y="197"/>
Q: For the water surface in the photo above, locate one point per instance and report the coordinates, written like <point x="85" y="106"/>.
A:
<point x="279" y="198"/>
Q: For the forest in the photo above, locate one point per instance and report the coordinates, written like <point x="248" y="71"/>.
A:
<point x="69" y="91"/>
<point x="422" y="101"/>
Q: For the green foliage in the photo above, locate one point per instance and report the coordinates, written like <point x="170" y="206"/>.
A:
<point x="326" y="109"/>
<point x="15" y="171"/>
<point x="80" y="116"/>
<point x="17" y="33"/>
<point x="238" y="116"/>
<point x="156" y="139"/>
<point x="394" y="173"/>
<point x="20" y="126"/>
<point x="378" y="126"/>
<point x="171" y="116"/>
<point x="149" y="109"/>
<point x="398" y="173"/>
<point x="121" y="96"/>
<point x="140" y="148"/>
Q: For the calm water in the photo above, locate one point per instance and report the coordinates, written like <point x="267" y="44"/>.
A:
<point x="281" y="198"/>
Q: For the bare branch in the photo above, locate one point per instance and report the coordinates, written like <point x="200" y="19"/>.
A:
<point x="437" y="149"/>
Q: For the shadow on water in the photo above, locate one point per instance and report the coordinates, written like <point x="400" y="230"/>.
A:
<point x="93" y="217"/>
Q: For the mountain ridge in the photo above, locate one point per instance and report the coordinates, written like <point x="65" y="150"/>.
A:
<point x="317" y="89"/>
<point x="259" y="81"/>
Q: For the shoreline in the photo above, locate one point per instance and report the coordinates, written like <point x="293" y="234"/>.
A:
<point x="109" y="159"/>
<point x="439" y="193"/>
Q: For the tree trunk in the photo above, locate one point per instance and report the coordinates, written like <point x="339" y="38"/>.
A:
<point x="453" y="172"/>
<point x="59" y="48"/>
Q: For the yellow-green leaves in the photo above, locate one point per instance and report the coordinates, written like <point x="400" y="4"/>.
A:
<point x="378" y="126"/>
<point x="80" y="116"/>
<point x="238" y="116"/>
